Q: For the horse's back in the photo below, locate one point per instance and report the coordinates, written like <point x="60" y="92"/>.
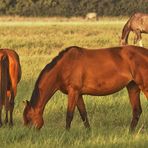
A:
<point x="139" y="21"/>
<point x="92" y="70"/>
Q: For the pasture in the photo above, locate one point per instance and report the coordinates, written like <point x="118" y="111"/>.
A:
<point x="37" y="42"/>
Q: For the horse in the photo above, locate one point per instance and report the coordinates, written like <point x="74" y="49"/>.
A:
<point x="138" y="23"/>
<point x="91" y="16"/>
<point x="77" y="71"/>
<point x="14" y="69"/>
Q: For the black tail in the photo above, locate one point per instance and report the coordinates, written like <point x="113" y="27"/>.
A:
<point x="4" y="76"/>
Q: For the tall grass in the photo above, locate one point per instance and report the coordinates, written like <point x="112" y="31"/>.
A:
<point x="37" y="43"/>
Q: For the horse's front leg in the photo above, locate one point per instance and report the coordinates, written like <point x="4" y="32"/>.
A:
<point x="135" y="39"/>
<point x="73" y="96"/>
<point x="138" y="38"/>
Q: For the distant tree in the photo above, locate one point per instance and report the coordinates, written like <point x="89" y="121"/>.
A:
<point x="24" y="7"/>
<point x="2" y="7"/>
<point x="70" y="8"/>
<point x="7" y="6"/>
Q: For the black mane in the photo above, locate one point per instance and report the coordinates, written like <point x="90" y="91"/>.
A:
<point x="48" y="67"/>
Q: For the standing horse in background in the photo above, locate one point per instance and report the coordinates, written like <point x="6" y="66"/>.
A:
<point x="77" y="71"/>
<point x="91" y="16"/>
<point x="14" y="78"/>
<point x="138" y="23"/>
<point x="4" y="80"/>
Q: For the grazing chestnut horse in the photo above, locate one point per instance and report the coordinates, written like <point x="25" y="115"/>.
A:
<point x="14" y="69"/>
<point x="77" y="71"/>
<point x="138" y="23"/>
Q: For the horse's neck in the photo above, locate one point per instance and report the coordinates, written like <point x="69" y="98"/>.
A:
<point x="125" y="33"/>
<point x="44" y="90"/>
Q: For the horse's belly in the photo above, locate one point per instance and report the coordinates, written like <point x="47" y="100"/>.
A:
<point x="105" y="86"/>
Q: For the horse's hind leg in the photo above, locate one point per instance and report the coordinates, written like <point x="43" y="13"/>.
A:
<point x="0" y="116"/>
<point x="134" y="95"/>
<point x="82" y="111"/>
<point x="1" y="107"/>
<point x="7" y="107"/>
<point x="13" y="90"/>
<point x="11" y="103"/>
<point x="73" y="96"/>
<point x="6" y="110"/>
<point x="138" y="38"/>
<point x="6" y="117"/>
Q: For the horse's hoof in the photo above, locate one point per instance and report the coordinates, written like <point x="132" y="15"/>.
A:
<point x="131" y="132"/>
<point x="6" y="122"/>
<point x="88" y="129"/>
<point x="10" y="124"/>
<point x="67" y="129"/>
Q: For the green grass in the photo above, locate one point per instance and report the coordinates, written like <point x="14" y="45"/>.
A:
<point x="37" y="43"/>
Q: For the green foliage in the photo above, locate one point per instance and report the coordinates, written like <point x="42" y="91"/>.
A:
<point x="70" y="8"/>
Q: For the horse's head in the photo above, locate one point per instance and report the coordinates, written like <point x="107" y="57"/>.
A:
<point x="31" y="117"/>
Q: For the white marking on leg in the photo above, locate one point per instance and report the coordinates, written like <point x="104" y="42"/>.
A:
<point x="140" y="43"/>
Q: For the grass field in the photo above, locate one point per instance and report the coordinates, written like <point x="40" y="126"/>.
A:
<point x="37" y="42"/>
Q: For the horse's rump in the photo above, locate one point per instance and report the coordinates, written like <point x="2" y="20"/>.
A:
<point x="14" y="63"/>
<point x="13" y="73"/>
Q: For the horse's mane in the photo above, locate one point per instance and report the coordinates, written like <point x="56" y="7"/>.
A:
<point x="48" y="67"/>
<point x="126" y="30"/>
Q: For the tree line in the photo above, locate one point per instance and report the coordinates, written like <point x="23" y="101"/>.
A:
<point x="69" y="8"/>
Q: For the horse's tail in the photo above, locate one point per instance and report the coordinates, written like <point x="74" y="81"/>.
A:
<point x="4" y="73"/>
